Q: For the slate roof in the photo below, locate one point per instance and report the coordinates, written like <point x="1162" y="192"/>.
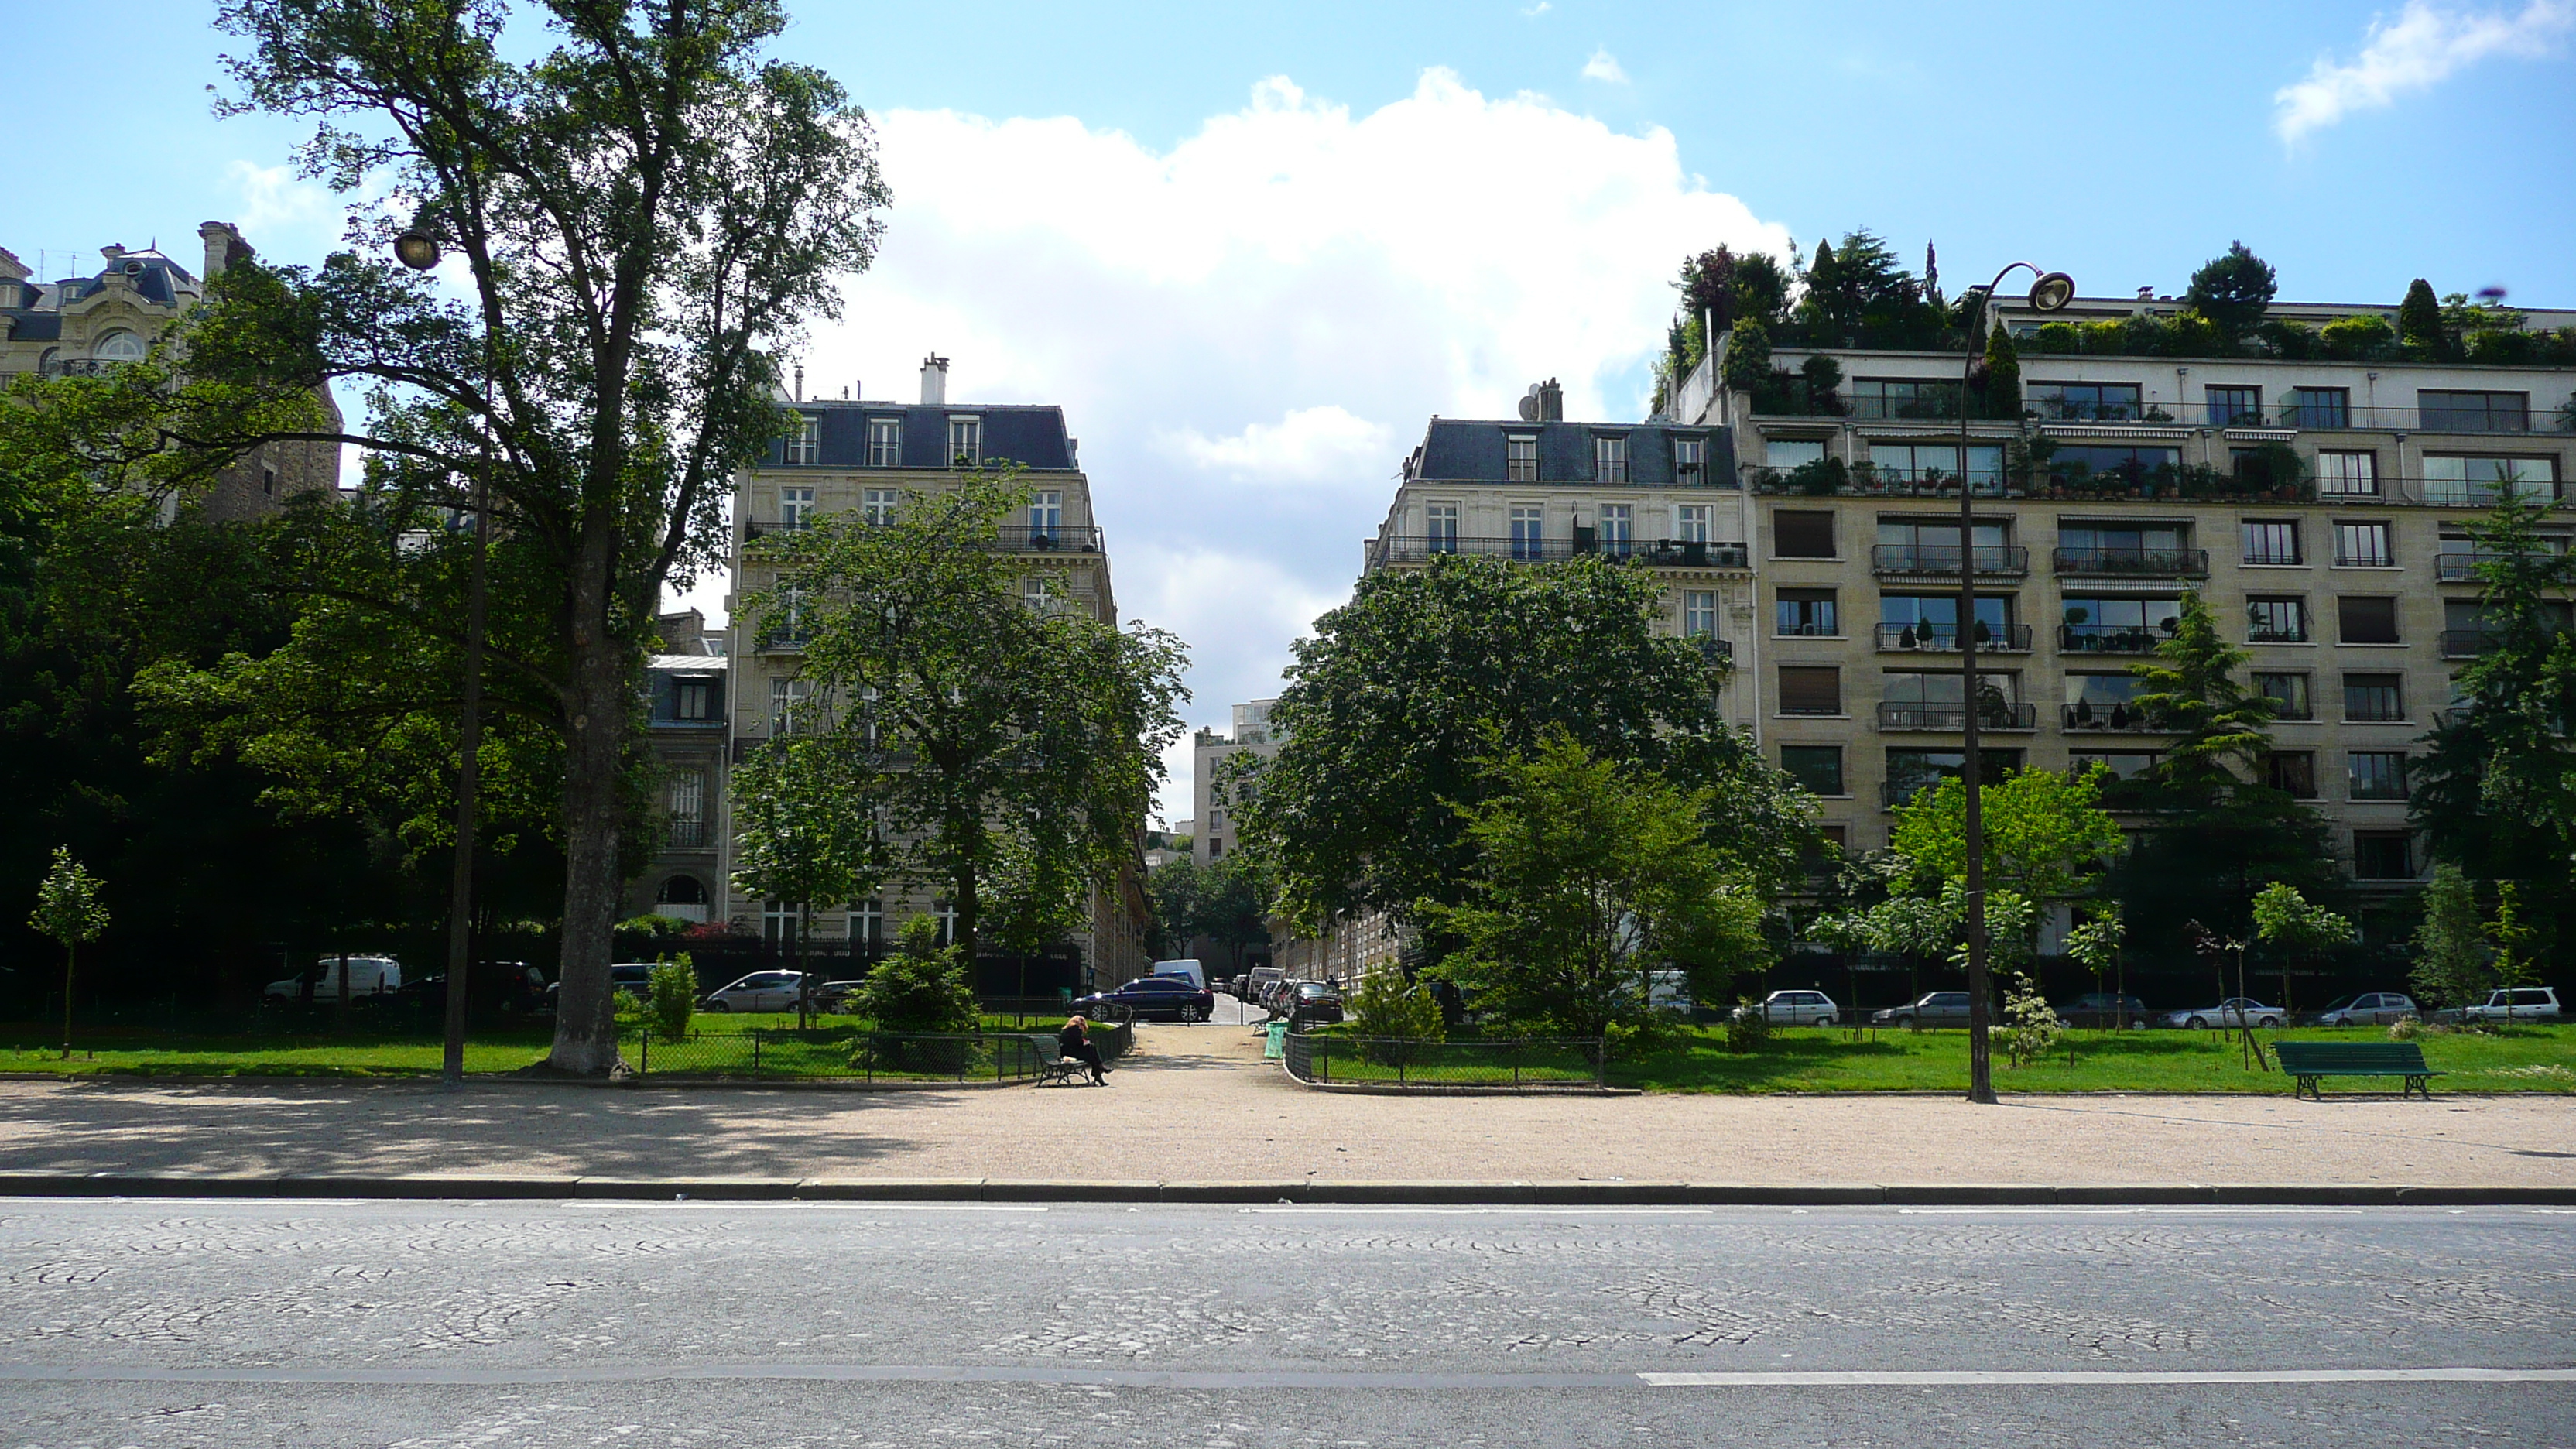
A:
<point x="1464" y="450"/>
<point x="1031" y="436"/>
<point x="149" y="271"/>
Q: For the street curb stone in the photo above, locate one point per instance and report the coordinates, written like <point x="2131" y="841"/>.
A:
<point x="1307" y="1192"/>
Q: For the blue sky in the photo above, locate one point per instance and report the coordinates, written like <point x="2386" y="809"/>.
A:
<point x="1251" y="248"/>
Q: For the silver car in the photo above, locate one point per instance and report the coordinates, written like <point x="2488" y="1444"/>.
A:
<point x="759" y="991"/>
<point x="2370" y="1008"/>
<point x="1798" y="1008"/>
<point x="2234" y="1011"/>
<point x="2525" y="1003"/>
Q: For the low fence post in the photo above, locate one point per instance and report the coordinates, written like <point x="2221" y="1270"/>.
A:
<point x="646" y="1065"/>
<point x="755" y="1048"/>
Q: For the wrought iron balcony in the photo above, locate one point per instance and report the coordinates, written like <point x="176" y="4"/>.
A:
<point x="1951" y="718"/>
<point x="1652" y="553"/>
<point x="1944" y="638"/>
<point x="2133" y="563"/>
<point x="1933" y="558"/>
<point x="1010" y="537"/>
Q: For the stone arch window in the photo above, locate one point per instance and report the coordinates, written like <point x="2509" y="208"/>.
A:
<point x="684" y="896"/>
<point x="119" y="346"/>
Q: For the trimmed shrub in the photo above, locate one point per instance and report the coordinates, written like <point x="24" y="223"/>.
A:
<point x="670" y="997"/>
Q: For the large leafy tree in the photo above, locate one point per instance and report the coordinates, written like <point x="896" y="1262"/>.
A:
<point x="1004" y="731"/>
<point x="1402" y="692"/>
<point x="642" y="215"/>
<point x="1590" y="878"/>
<point x="2044" y="834"/>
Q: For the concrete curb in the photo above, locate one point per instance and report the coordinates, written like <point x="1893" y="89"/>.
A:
<point x="1312" y="1193"/>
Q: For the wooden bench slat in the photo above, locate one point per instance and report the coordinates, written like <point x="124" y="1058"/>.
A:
<point x="2306" y="1062"/>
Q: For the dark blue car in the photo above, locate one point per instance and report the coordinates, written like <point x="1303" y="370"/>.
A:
<point x="1154" y="997"/>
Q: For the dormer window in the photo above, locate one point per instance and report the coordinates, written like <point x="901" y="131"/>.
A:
<point x="1690" y="459"/>
<point x="965" y="442"/>
<point x="885" y="442"/>
<point x="1610" y="459"/>
<point x="1520" y="458"/>
<point x="805" y="445"/>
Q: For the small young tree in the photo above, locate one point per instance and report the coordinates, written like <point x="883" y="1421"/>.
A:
<point x="2514" y="939"/>
<point x="2096" y="944"/>
<point x="2233" y="291"/>
<point x="2451" y="952"/>
<point x="2001" y="389"/>
<point x="2286" y="921"/>
<point x="670" y="997"/>
<point x="69" y="909"/>
<point x="805" y="829"/>
<point x="922" y="987"/>
<point x="2030" y="1023"/>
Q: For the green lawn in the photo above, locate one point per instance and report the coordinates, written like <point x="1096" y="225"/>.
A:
<point x="1812" y="1059"/>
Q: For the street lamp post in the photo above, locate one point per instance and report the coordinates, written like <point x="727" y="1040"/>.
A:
<point x="417" y="249"/>
<point x="2052" y="291"/>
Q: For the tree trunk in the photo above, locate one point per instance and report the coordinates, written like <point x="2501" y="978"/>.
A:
<point x="594" y="812"/>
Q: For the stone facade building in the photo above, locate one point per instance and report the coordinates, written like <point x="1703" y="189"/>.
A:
<point x="1216" y="799"/>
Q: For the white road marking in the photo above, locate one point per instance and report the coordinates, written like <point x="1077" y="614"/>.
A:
<point x="1897" y="1378"/>
<point x="1557" y="1212"/>
<point x="2114" y="1212"/>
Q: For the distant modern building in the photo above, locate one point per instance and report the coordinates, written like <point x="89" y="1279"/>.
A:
<point x="1215" y="791"/>
<point x="863" y="456"/>
<point x="83" y="324"/>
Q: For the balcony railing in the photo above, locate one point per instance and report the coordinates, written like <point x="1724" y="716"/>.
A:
<point x="1653" y="553"/>
<point x="2106" y="639"/>
<point x="2133" y="563"/>
<point x="2259" y="634"/>
<point x="1930" y="558"/>
<point x="1010" y="537"/>
<point x="2116" y="717"/>
<point x="2312" y="415"/>
<point x="2469" y="643"/>
<point x="1951" y="718"/>
<point x="685" y="833"/>
<point x="1944" y="638"/>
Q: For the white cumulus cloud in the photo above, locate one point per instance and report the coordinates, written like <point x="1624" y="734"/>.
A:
<point x="1603" y="66"/>
<point x="2423" y="46"/>
<point x="1248" y="330"/>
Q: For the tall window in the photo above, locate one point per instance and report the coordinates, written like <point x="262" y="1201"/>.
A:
<point x="2377" y="774"/>
<point x="2276" y="620"/>
<point x="965" y="442"/>
<point x="693" y="699"/>
<point x="1610" y="460"/>
<point x="2292" y="772"/>
<point x="686" y="801"/>
<point x="2231" y="406"/>
<point x="778" y="922"/>
<point x="2319" y="407"/>
<point x="2288" y="693"/>
<point x="1699" y="613"/>
<point x="1039" y="591"/>
<point x="2347" y="475"/>
<point x="1807" y="611"/>
<point x="795" y="508"/>
<point x="790" y="710"/>
<point x="1690" y="523"/>
<point x="2482" y="481"/>
<point x="2368" y="620"/>
<point x="1440" y="527"/>
<point x="2475" y="412"/>
<point x="789" y="624"/>
<point x="1046" y="516"/>
<point x="1802" y="535"/>
<point x="2383" y="855"/>
<point x="805" y="445"/>
<point x="1528" y="529"/>
<point x="867" y="921"/>
<point x="877" y="505"/>
<point x="2362" y="545"/>
<point x="1520" y="459"/>
<point x="2271" y="541"/>
<point x="1618" y="529"/>
<point x="885" y="442"/>
<point x="1690" y="459"/>
<point x="2374" y="698"/>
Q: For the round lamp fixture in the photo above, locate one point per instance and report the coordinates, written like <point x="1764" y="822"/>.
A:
<point x="2052" y="291"/>
<point x="416" y="249"/>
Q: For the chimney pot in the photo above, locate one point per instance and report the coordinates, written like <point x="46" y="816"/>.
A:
<point x="2146" y="294"/>
<point x="934" y="381"/>
<point x="800" y="382"/>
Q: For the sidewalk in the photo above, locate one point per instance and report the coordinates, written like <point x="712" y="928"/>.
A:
<point x="1196" y="1104"/>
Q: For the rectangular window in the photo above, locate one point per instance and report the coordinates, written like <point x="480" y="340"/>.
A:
<point x="2288" y="693"/>
<point x="1807" y="612"/>
<point x="1878" y="398"/>
<point x="2271" y="541"/>
<point x="1787" y="453"/>
<point x="1912" y="770"/>
<point x="2292" y="772"/>
<point x="2086" y="402"/>
<point x="2474" y="412"/>
<point x="2276" y="621"/>
<point x="1618" y="529"/>
<point x="1609" y="460"/>
<point x="2123" y="764"/>
<point x="1817" y="767"/>
<point x="1909" y="545"/>
<point x="1935" y="463"/>
<point x="1528" y="531"/>
<point x="867" y="921"/>
<point x="1690" y="523"/>
<point x="2235" y="407"/>
<point x="687" y="799"/>
<point x="2469" y="480"/>
<point x="1440" y="527"/>
<point x="2079" y="463"/>
<point x="788" y="712"/>
<point x="2368" y="620"/>
<point x="2161" y="548"/>
<point x="1802" y="535"/>
<point x="2319" y="407"/>
<point x="1046" y="516"/>
<point x="693" y="699"/>
<point x="805" y="445"/>
<point x="2374" y="698"/>
<point x="1520" y="459"/>
<point x="2116" y="625"/>
<point x="965" y="442"/>
<point x="1931" y="621"/>
<point x="1810" y="689"/>
<point x="1690" y="459"/>
<point x="2377" y="774"/>
<point x="1699" y="613"/>
<point x="2362" y="545"/>
<point x="2383" y="855"/>
<point x="877" y="505"/>
<point x="885" y="442"/>
<point x="795" y="508"/>
<point x="2347" y="475"/>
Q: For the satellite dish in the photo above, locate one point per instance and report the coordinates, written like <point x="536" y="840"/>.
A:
<point x="1529" y="404"/>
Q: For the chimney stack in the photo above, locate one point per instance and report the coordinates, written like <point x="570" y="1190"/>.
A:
<point x="934" y="381"/>
<point x="224" y="246"/>
<point x="800" y="382"/>
<point x="2146" y="294"/>
<point x="1551" y="402"/>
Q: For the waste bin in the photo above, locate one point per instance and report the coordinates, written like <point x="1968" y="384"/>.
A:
<point x="1277" y="1046"/>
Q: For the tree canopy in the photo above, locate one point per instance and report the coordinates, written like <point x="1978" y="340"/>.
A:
<point x="2233" y="290"/>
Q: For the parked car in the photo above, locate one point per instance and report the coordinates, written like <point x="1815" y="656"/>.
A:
<point x="1312" y="1002"/>
<point x="1152" y="996"/>
<point x="628" y="978"/>
<point x="834" y="996"/>
<point x="2370" y="1008"/>
<point x="1796" y="1008"/>
<point x="2522" y="1003"/>
<point x="1932" y="1008"/>
<point x="759" y="991"/>
<point x="2234" y="1011"/>
<point x="368" y="976"/>
<point x="2103" y="1008"/>
<point x="1250" y="986"/>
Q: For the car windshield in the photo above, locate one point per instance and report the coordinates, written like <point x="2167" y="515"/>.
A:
<point x="2341" y="1003"/>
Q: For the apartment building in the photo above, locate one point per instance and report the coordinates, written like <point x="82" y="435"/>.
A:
<point x="89" y="322"/>
<point x="1214" y="794"/>
<point x="1660" y="496"/>
<point x="687" y="727"/>
<point x="2318" y="506"/>
<point x="855" y="455"/>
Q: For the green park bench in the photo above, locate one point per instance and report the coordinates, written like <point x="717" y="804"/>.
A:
<point x="2306" y="1062"/>
<point x="1054" y="1067"/>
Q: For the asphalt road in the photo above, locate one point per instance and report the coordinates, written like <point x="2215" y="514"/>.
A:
<point x="181" y="1322"/>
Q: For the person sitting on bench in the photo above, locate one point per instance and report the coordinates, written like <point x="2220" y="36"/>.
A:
<point x="1075" y="1040"/>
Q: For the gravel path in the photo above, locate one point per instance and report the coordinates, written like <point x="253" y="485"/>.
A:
<point x="1196" y="1104"/>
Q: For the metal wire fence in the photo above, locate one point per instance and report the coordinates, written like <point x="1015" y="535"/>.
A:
<point x="1398" y="1062"/>
<point x="837" y="1052"/>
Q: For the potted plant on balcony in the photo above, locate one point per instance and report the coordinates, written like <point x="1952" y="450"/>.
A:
<point x="2075" y="619"/>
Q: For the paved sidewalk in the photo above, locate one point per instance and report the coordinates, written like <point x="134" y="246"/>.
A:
<point x="1197" y="1104"/>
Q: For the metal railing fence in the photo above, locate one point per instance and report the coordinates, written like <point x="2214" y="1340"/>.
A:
<point x="1400" y="1062"/>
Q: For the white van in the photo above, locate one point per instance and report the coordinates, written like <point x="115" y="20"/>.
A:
<point x="1191" y="969"/>
<point x="368" y="976"/>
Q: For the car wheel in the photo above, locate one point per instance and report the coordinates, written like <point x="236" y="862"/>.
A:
<point x="1825" y="1020"/>
<point x="2196" y="1024"/>
<point x="2267" y="1023"/>
<point x="1190" y="1013"/>
<point x="719" y="1006"/>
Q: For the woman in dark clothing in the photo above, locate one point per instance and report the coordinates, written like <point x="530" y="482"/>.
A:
<point x="1075" y="1040"/>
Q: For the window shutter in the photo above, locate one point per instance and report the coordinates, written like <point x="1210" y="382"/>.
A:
<point x="1802" y="535"/>
<point x="1809" y="689"/>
